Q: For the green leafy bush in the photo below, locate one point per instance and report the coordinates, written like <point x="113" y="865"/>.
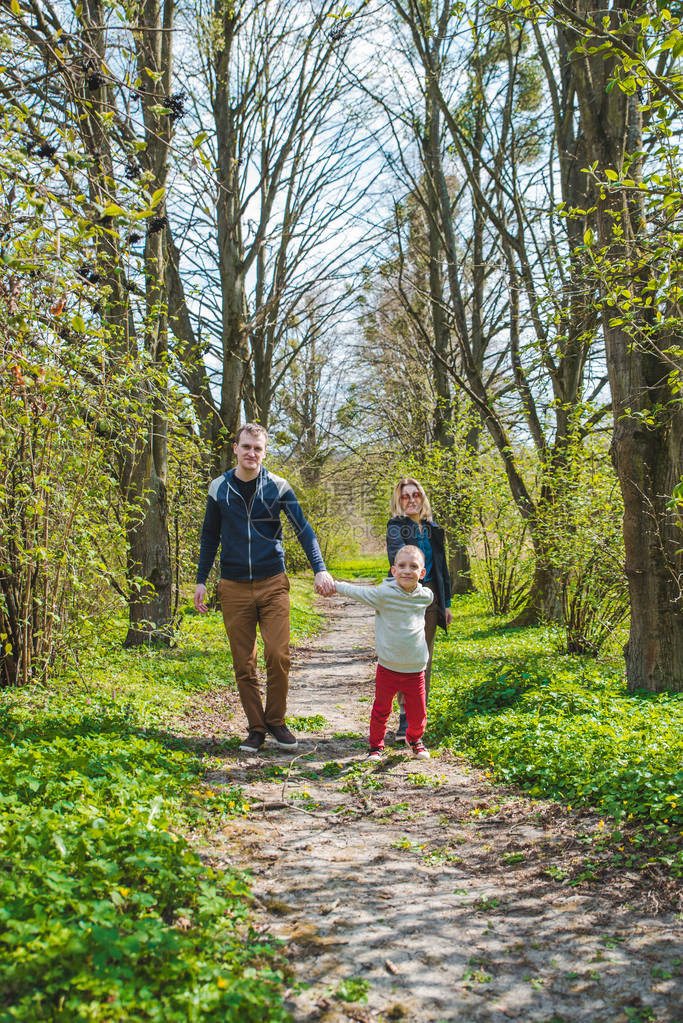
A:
<point x="325" y="512"/>
<point x="583" y="535"/>
<point x="503" y="557"/>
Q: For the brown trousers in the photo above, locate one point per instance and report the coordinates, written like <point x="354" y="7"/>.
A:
<point x="431" y="622"/>
<point x="263" y="602"/>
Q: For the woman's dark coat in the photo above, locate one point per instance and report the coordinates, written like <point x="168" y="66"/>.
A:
<point x="401" y="530"/>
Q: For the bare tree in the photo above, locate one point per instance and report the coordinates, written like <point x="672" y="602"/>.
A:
<point x="406" y="344"/>
<point x="497" y="143"/>
<point x="274" y="178"/>
<point x="312" y="393"/>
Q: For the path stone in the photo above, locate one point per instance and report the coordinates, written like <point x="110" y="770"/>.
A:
<point x="419" y="890"/>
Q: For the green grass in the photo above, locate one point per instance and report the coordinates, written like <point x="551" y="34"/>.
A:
<point x="360" y="567"/>
<point x="107" y="912"/>
<point x="562" y="727"/>
<point x="305" y="621"/>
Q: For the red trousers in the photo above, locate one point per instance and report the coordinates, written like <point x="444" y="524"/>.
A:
<point x="387" y="684"/>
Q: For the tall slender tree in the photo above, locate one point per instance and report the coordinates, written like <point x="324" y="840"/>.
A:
<point x="496" y="142"/>
<point x="273" y="179"/>
<point x="76" y="94"/>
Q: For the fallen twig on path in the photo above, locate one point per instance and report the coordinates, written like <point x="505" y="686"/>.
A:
<point x="289" y="770"/>
<point x="358" y="1015"/>
<point x="282" y="804"/>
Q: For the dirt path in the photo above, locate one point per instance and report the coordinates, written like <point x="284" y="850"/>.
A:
<point x="417" y="890"/>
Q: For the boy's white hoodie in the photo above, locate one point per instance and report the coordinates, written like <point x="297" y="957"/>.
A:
<point x="399" y="622"/>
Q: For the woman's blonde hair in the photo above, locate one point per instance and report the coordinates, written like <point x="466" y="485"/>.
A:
<point x="426" y="510"/>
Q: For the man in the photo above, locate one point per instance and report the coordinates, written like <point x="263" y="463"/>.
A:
<point x="243" y="517"/>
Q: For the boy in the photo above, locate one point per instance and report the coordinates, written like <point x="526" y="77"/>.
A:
<point x="402" y="654"/>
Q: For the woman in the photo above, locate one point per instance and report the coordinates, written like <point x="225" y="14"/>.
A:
<point x="412" y="523"/>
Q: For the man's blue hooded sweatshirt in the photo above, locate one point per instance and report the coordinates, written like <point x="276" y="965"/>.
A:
<point x="251" y="537"/>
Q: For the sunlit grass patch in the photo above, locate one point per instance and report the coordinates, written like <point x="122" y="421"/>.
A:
<point x="370" y="567"/>
<point x="305" y="621"/>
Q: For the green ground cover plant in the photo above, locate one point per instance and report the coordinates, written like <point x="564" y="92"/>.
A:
<point x="353" y="989"/>
<point x="107" y="912"/>
<point x="313" y="723"/>
<point x="562" y="727"/>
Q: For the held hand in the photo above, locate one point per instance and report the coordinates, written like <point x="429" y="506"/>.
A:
<point x="199" y="597"/>
<point x="449" y="616"/>
<point x="324" y="584"/>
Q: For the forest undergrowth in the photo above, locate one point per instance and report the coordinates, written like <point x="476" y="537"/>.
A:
<point x="103" y="805"/>
<point x="107" y="911"/>
<point x="563" y="727"/>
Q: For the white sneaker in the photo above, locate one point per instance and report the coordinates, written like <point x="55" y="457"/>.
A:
<point x="418" y="749"/>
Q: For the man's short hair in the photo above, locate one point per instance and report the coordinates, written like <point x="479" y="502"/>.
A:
<point x="413" y="550"/>
<point x="254" y="428"/>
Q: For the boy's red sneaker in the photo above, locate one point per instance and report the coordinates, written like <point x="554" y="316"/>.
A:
<point x="420" y="752"/>
<point x="375" y="753"/>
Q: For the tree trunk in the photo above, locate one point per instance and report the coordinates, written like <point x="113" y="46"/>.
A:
<point x="544" y="603"/>
<point x="649" y="463"/>
<point x="149" y="553"/>
<point x="445" y="411"/>
<point x="643" y="362"/>
<point x="149" y="569"/>
<point x="459" y="568"/>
